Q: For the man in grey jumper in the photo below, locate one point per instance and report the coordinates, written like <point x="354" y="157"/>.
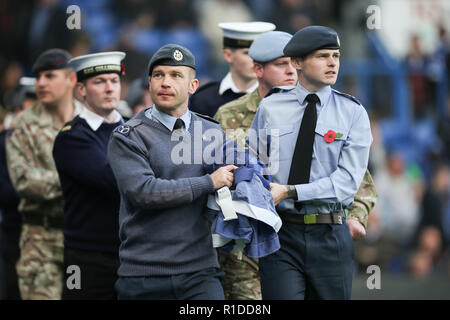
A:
<point x="166" y="249"/>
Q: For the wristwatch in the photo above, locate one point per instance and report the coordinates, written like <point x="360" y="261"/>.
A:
<point x="292" y="192"/>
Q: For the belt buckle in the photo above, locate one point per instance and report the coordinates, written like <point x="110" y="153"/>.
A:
<point x="337" y="218"/>
<point x="310" y="218"/>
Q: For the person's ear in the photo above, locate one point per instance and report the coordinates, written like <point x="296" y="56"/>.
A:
<point x="72" y="79"/>
<point x="81" y="89"/>
<point x="193" y="86"/>
<point x="297" y="63"/>
<point x="258" y="68"/>
<point x="227" y="55"/>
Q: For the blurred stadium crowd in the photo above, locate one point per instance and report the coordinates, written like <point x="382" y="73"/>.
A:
<point x="409" y="229"/>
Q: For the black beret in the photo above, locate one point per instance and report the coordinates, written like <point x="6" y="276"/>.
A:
<point x="311" y="38"/>
<point x="172" y="55"/>
<point x="51" y="59"/>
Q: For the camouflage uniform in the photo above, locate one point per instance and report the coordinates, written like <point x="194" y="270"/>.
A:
<point x="242" y="279"/>
<point x="238" y="116"/>
<point x="34" y="176"/>
<point x="365" y="200"/>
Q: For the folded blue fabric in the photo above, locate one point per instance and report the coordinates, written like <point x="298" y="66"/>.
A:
<point x="254" y="231"/>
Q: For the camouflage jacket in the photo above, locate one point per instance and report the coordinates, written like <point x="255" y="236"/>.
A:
<point x="238" y="115"/>
<point x="30" y="161"/>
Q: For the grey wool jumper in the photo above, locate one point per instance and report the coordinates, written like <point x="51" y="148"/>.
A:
<point x="163" y="228"/>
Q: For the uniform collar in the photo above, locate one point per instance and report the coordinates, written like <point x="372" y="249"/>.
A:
<point x="324" y="94"/>
<point x="94" y="120"/>
<point x="228" y="83"/>
<point x="167" y="120"/>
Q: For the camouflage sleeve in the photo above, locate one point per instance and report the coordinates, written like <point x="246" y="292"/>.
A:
<point x="218" y="117"/>
<point x="365" y="200"/>
<point x="29" y="180"/>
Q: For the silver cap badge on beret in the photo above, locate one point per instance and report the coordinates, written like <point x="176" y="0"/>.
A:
<point x="177" y="55"/>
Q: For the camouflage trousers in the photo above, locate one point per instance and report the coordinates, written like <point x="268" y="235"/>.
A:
<point x="241" y="280"/>
<point x="40" y="267"/>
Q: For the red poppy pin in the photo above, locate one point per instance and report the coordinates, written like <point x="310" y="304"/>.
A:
<point x="331" y="135"/>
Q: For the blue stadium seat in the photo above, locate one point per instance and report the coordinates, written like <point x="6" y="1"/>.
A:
<point x="147" y="41"/>
<point x="102" y="28"/>
<point x="86" y="5"/>
<point x="414" y="142"/>
<point x="195" y="41"/>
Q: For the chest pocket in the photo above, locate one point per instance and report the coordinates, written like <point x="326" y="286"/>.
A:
<point x="282" y="140"/>
<point x="328" y="142"/>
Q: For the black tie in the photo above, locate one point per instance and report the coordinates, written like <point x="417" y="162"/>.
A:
<point x="179" y="124"/>
<point x="301" y="160"/>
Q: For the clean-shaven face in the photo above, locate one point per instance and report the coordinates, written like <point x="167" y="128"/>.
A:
<point x="241" y="63"/>
<point x="53" y="85"/>
<point x="319" y="69"/>
<point x="170" y="87"/>
<point x="279" y="72"/>
<point x="102" y="92"/>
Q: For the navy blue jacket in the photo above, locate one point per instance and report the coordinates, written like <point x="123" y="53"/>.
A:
<point x="207" y="99"/>
<point x="9" y="200"/>
<point x="91" y="197"/>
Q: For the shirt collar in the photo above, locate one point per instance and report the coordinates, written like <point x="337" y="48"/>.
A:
<point x="228" y="83"/>
<point x="323" y="94"/>
<point x="167" y="120"/>
<point x="94" y="120"/>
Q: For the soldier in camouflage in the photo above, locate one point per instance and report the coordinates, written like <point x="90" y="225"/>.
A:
<point x="34" y="176"/>
<point x="273" y="70"/>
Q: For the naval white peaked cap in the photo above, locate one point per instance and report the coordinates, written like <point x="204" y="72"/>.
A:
<point x="97" y="63"/>
<point x="245" y="30"/>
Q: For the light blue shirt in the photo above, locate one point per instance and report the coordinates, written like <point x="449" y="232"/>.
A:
<point x="167" y="120"/>
<point x="337" y="168"/>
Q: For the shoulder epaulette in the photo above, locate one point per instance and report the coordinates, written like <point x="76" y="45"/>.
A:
<point x="206" y="86"/>
<point x="348" y="96"/>
<point x="205" y="117"/>
<point x="278" y="90"/>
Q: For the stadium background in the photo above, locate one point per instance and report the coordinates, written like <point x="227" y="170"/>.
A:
<point x="395" y="59"/>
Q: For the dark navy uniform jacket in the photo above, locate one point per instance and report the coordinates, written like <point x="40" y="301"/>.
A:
<point x="207" y="98"/>
<point x="9" y="200"/>
<point x="91" y="197"/>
